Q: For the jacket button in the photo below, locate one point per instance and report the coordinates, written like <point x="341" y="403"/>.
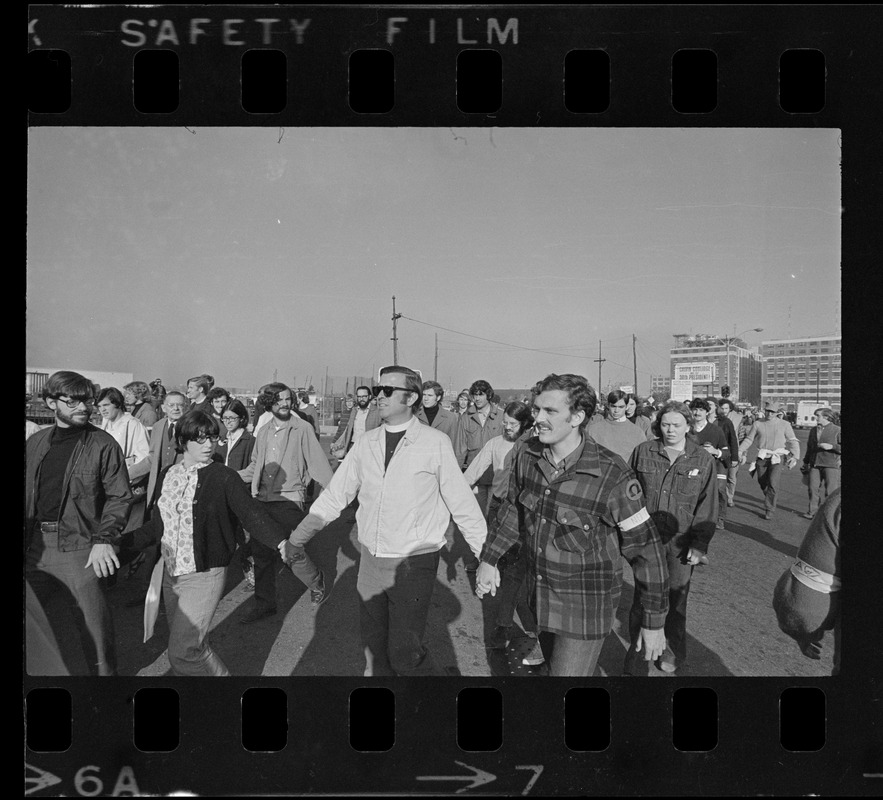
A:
<point x="585" y="527"/>
<point x="539" y="578"/>
<point x="548" y="491"/>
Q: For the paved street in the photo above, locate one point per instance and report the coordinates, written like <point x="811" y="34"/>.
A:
<point x="731" y="624"/>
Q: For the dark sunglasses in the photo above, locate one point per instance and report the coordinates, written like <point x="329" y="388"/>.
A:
<point x="387" y="390"/>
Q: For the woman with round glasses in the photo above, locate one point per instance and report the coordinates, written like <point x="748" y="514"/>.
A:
<point x="202" y="508"/>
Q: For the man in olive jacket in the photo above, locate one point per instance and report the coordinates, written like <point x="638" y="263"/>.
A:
<point x="77" y="501"/>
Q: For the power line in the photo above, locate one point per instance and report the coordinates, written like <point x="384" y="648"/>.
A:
<point x="507" y="344"/>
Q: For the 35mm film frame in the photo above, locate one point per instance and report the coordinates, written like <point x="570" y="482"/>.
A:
<point x="427" y="46"/>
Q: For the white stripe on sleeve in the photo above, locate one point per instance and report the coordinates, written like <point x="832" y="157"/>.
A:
<point x="814" y="578"/>
<point x="634" y="520"/>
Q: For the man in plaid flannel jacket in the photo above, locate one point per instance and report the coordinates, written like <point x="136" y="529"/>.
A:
<point x="576" y="506"/>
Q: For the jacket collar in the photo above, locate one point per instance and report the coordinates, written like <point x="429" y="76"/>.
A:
<point x="690" y="447"/>
<point x="589" y="461"/>
<point x="494" y="410"/>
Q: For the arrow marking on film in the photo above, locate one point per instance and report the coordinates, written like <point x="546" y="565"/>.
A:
<point x="478" y="777"/>
<point x="37" y="779"/>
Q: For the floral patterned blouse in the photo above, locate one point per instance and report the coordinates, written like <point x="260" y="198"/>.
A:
<point x="176" y="508"/>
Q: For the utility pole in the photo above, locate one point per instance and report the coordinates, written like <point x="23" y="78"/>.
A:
<point x="435" y="369"/>
<point x="600" y="361"/>
<point x="635" y="363"/>
<point x="395" y="339"/>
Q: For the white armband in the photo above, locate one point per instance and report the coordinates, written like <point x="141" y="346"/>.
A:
<point x="814" y="578"/>
<point x="634" y="520"/>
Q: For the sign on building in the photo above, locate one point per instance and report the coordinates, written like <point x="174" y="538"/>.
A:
<point x="681" y="390"/>
<point x="628" y="388"/>
<point x="697" y="372"/>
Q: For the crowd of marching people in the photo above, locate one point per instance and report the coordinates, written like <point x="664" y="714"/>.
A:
<point x="548" y="493"/>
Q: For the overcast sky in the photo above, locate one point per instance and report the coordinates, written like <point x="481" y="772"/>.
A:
<point x="167" y="253"/>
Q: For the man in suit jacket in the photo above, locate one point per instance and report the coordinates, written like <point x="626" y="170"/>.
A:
<point x="431" y="412"/>
<point x="162" y="444"/>
<point x="363" y="418"/>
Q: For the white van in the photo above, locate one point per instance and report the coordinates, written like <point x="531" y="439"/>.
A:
<point x="806" y="413"/>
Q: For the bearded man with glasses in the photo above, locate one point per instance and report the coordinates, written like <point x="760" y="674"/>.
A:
<point x="77" y="500"/>
<point x="409" y="486"/>
<point x="364" y="417"/>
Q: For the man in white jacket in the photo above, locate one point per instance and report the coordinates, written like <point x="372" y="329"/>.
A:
<point x="409" y="486"/>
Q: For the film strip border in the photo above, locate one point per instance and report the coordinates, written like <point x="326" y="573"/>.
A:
<point x="500" y="65"/>
<point x="568" y="67"/>
<point x="343" y="737"/>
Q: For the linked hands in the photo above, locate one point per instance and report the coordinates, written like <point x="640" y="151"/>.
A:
<point x="103" y="559"/>
<point x="487" y="579"/>
<point x="290" y="552"/>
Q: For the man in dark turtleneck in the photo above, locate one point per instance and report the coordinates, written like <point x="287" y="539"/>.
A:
<point x="77" y="503"/>
<point x="431" y="412"/>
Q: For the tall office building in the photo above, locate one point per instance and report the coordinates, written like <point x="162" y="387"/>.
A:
<point x="802" y="369"/>
<point x="712" y="362"/>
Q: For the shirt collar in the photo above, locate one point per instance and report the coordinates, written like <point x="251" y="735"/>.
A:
<point x="193" y="468"/>
<point x="583" y="459"/>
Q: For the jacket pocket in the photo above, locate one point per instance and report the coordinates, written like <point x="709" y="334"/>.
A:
<point x="577" y="530"/>
<point x="84" y="483"/>
<point x="688" y="486"/>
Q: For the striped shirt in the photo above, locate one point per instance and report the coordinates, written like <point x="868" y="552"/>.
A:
<point x="574" y="523"/>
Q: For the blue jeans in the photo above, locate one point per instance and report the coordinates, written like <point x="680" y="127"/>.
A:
<point x="50" y="571"/>
<point x="394" y="597"/>
<point x="574" y="658"/>
<point x="191" y="601"/>
<point x="830" y="477"/>
<point x="768" y="478"/>
<point x="732" y="476"/>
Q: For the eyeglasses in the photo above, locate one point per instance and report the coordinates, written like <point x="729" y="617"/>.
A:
<point x="387" y="390"/>
<point x="73" y="402"/>
<point x="204" y="439"/>
<point x="230" y="419"/>
<point x="361" y="397"/>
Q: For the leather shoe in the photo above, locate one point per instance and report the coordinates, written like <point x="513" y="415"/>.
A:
<point x="256" y="614"/>
<point x="321" y="593"/>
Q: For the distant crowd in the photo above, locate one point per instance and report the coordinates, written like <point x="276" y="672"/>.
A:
<point x="546" y="492"/>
